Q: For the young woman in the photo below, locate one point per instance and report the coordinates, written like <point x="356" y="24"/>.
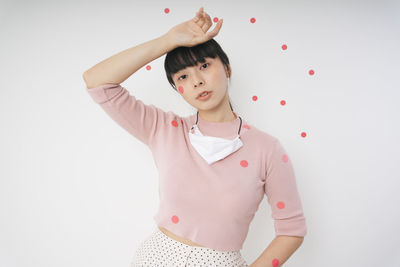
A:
<point x="214" y="167"/>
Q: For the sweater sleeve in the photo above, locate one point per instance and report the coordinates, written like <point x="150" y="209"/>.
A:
<point x="140" y="120"/>
<point x="282" y="194"/>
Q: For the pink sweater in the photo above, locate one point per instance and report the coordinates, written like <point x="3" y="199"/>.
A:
<point x="212" y="205"/>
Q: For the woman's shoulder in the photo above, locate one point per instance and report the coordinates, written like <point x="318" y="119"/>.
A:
<point x="259" y="133"/>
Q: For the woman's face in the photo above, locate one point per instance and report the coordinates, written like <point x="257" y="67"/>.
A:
<point x="211" y="76"/>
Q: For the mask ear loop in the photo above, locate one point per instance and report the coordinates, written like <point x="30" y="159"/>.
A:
<point x="197" y="117"/>
<point x="240" y="127"/>
<point x="196" y="120"/>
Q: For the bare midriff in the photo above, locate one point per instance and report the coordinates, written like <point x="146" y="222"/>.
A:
<point x="178" y="238"/>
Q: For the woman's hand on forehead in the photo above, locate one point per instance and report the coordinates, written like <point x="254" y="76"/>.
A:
<point x="194" y="31"/>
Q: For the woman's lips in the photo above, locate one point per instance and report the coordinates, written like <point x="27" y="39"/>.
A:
<point x="199" y="95"/>
<point x="204" y="97"/>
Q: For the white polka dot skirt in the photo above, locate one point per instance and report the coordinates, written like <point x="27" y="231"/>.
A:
<point x="159" y="250"/>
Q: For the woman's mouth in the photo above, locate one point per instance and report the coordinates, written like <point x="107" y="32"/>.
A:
<point x="204" y="96"/>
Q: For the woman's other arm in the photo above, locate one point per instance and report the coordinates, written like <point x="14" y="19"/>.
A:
<point x="119" y="67"/>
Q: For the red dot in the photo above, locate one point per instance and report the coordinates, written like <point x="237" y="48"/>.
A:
<point x="244" y="163"/>
<point x="215" y="19"/>
<point x="174" y="123"/>
<point x="175" y="219"/>
<point x="311" y="72"/>
<point x="252" y="20"/>
<point x="254" y="98"/>
<point x="285" y="158"/>
<point x="246" y="126"/>
<point x="284" y="47"/>
<point x="283" y="102"/>
<point x="275" y="262"/>
<point x="166" y="10"/>
<point x="303" y="134"/>
<point x="148" y="67"/>
<point x="182" y="121"/>
<point x="180" y="89"/>
<point x="280" y="205"/>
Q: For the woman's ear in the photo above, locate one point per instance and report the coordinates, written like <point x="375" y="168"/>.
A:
<point x="228" y="71"/>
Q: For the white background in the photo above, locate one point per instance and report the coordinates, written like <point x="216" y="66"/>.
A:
<point x="77" y="190"/>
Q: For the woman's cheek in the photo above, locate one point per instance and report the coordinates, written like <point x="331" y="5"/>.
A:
<point x="180" y="89"/>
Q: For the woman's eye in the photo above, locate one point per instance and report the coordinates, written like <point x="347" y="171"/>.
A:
<point x="204" y="64"/>
<point x="185" y="74"/>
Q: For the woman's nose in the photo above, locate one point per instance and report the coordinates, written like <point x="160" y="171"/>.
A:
<point x="198" y="81"/>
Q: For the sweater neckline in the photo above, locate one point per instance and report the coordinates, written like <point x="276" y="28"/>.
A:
<point x="225" y="129"/>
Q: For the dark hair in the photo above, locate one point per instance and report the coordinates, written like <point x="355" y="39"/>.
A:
<point x="183" y="56"/>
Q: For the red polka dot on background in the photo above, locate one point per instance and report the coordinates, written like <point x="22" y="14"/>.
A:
<point x="148" y="67"/>
<point x="303" y="134"/>
<point x="166" y="10"/>
<point x="246" y="126"/>
<point x="284" y="47"/>
<point x="254" y="98"/>
<point x="285" y="158"/>
<point x="174" y="123"/>
<point x="180" y="89"/>
<point x="175" y="219"/>
<point x="311" y="72"/>
<point x="283" y="102"/>
<point x="275" y="262"/>
<point x="244" y="163"/>
<point x="280" y="205"/>
<point x="215" y="19"/>
<point x="252" y="20"/>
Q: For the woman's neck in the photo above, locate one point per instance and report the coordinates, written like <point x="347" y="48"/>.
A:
<point x="212" y="117"/>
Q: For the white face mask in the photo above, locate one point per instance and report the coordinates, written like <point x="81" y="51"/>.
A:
<point x="213" y="148"/>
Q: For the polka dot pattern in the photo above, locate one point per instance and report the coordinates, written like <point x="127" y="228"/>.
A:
<point x="275" y="262"/>
<point x="244" y="163"/>
<point x="175" y="219"/>
<point x="174" y="123"/>
<point x="159" y="250"/>
<point x="280" y="205"/>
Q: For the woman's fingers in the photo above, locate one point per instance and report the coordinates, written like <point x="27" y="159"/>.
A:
<point x="207" y="24"/>
<point x="203" y="20"/>
<point x="200" y="19"/>
<point x="216" y="29"/>
<point x="198" y="15"/>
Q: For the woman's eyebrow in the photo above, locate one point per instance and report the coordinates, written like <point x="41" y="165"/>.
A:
<point x="198" y="63"/>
